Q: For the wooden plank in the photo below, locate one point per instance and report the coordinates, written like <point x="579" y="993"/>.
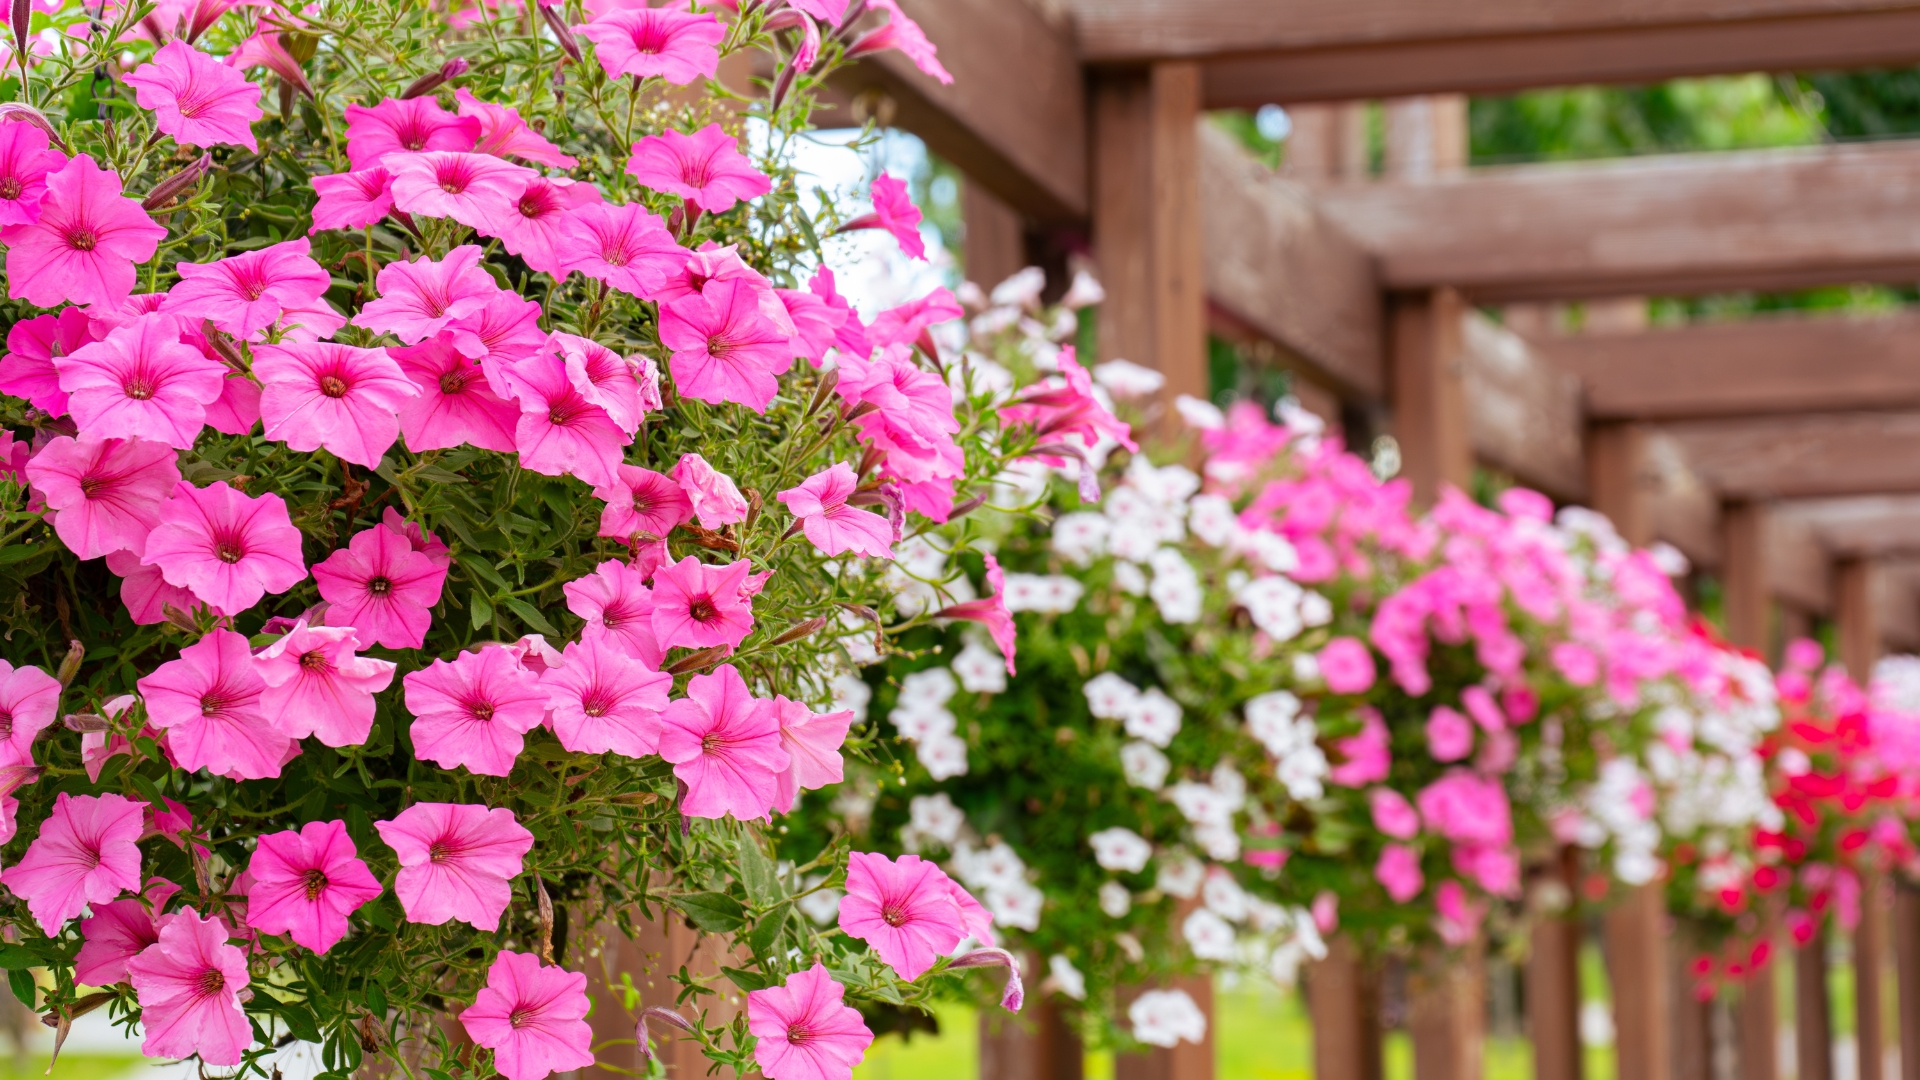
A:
<point x="1179" y="276"/>
<point x="1873" y="526"/>
<point x="1122" y="205"/>
<point x="1744" y="579"/>
<point x="1447" y="1012"/>
<point x="1799" y="571"/>
<point x="1278" y="265"/>
<point x="1897" y="605"/>
<point x="1636" y="933"/>
<point x="1014" y="118"/>
<point x="1869" y="965"/>
<point x="1818" y="454"/>
<point x="1523" y="415"/>
<point x="996" y="242"/>
<point x="1619" y="482"/>
<point x="1430" y="413"/>
<point x="1757" y="1027"/>
<point x="1855" y="619"/>
<point x="1685" y="510"/>
<point x="1553" y="972"/>
<point x="1343" y="999"/>
<point x="1673" y="224"/>
<point x="1037" y="1044"/>
<point x="1906" y="958"/>
<point x="1752" y="367"/>
<point x="1186" y="1061"/>
<point x="1812" y="1013"/>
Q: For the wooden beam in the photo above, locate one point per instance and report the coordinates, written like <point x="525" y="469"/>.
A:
<point x="1690" y="223"/>
<point x="1685" y="510"/>
<point x="1869" y="968"/>
<point x="1038" y="1044"/>
<point x="1430" y="417"/>
<point x="1523" y="415"/>
<point x="1757" y="1024"/>
<point x="1636" y="933"/>
<point x="1744" y="578"/>
<point x="1752" y="367"/>
<point x="996" y="241"/>
<point x="1447" y="1012"/>
<point x="1906" y="959"/>
<point x="1343" y="999"/>
<point x="1855" y="617"/>
<point x="1186" y="1061"/>
<point x="1818" y="454"/>
<point x="1873" y="526"/>
<point x="1553" y="971"/>
<point x="1014" y="117"/>
<point x="1619" y="482"/>
<point x="1812" y="1012"/>
<point x="1276" y="263"/>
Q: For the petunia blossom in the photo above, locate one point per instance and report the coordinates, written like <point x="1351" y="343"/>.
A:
<point x="306" y="883"/>
<point x="725" y="746"/>
<point x="25" y="163"/>
<point x="476" y="190"/>
<point x="409" y="125"/>
<point x="532" y="1016"/>
<point x="902" y="33"/>
<point x="625" y="246"/>
<point x="453" y="403"/>
<point x="508" y="328"/>
<point x="538" y="226"/>
<point x="893" y="210"/>
<point x="230" y="548"/>
<point x="560" y="432"/>
<point x="456" y="861"/>
<point x="246" y="293"/>
<point x="87" y="852"/>
<point x="990" y="612"/>
<point x="820" y="505"/>
<point x="724" y="348"/>
<point x="641" y="501"/>
<point x="381" y="587"/>
<point x="705" y="168"/>
<point x="851" y="336"/>
<point x="117" y="932"/>
<point x="812" y="742"/>
<point x="805" y="1031"/>
<point x="316" y="685"/>
<point x="715" y="497"/>
<point x="419" y="297"/>
<point x="603" y="377"/>
<point x="188" y="984"/>
<point x="208" y="703"/>
<point x="904" y="910"/>
<point x="816" y="324"/>
<point x="700" y="606"/>
<point x="335" y="397"/>
<point x="197" y="99"/>
<point x="602" y="699"/>
<point x="474" y="711"/>
<point x="144" y="590"/>
<point x="84" y="246"/>
<point x="105" y="494"/>
<point x="503" y="133"/>
<point x="678" y="46"/>
<point x="352" y="200"/>
<point x="141" y="382"/>
<point x="27" y="370"/>
<point x="618" y="606"/>
<point x="29" y="698"/>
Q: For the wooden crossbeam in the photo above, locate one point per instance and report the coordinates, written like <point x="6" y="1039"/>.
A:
<point x="1678" y="224"/>
<point x="1864" y="527"/>
<point x="1813" y="455"/>
<point x="1259" y="51"/>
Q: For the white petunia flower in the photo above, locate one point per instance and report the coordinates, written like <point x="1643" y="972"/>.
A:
<point x="1302" y="771"/>
<point x="851" y="692"/>
<point x="1208" y="935"/>
<point x="1274" y="604"/>
<point x="1080" y="537"/>
<point x="1144" y="766"/>
<point x="1126" y="380"/>
<point x="1167" y="1017"/>
<point x="1109" y="696"/>
<point x="1181" y="877"/>
<point x="1224" y="897"/>
<point x="980" y="669"/>
<point x="1154" y="717"/>
<point x="1115" y="900"/>
<point x="936" y="817"/>
<point x="1120" y="849"/>
<point x="1211" y="518"/>
<point x="1176" y="587"/>
<point x="943" y="756"/>
<point x="1129" y="578"/>
<point x="1017" y="905"/>
<point x="921" y="724"/>
<point x="1066" y="978"/>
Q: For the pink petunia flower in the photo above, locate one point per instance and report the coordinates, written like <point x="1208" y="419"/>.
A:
<point x="188" y="984"/>
<point x="316" y="685"/>
<point x="715" y="497"/>
<point x="246" y="293"/>
<point x="901" y="33"/>
<point x="141" y="382"/>
<point x="903" y="910"/>
<point x="1347" y="666"/>
<point x="725" y="746"/>
<point x="1398" y="870"/>
<point x="816" y="324"/>
<point x="504" y="134"/>
<point x="453" y="404"/>
<point x="560" y="432"/>
<point x="456" y="861"/>
<point x="229" y="548"/>
<point x="117" y="933"/>
<point x="893" y="210"/>
<point x="532" y="1016"/>
<point x="197" y="99"/>
<point x="381" y="587"/>
<point x="701" y="606"/>
<point x="208" y="703"/>
<point x="851" y="336"/>
<point x="87" y="852"/>
<point x="352" y="200"/>
<point x="508" y="328"/>
<point x="306" y="883"/>
<point x="624" y="246"/>
<point x="332" y="396"/>
<point x="105" y="494"/>
<point x="538" y="227"/>
<point x="84" y="246"/>
<point x="27" y="370"/>
<point x="400" y="126"/>
<point x="618" y="607"/>
<point x="820" y="505"/>
<point x="804" y="1030"/>
<point x="474" y="711"/>
<point x="641" y="501"/>
<point x="424" y="542"/>
<point x="1393" y="814"/>
<point x="812" y="742"/>
<point x="705" y="169"/>
<point x="1449" y="735"/>
<point x="25" y="164"/>
<point x="144" y="590"/>
<point x="477" y="190"/>
<point x="605" y="700"/>
<point x="991" y="612"/>
<point x="603" y="377"/>
<point x="724" y="347"/>
<point x="907" y="323"/>
<point x="420" y="297"/>
<point x="29" y="698"/>
<point x="678" y="46"/>
<point x="827" y="11"/>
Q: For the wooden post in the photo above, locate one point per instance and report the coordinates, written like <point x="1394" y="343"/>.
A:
<point x="1146" y="222"/>
<point x="1187" y="1061"/>
<point x="1869" y="969"/>
<point x="664" y="945"/>
<point x="1636" y="930"/>
<point x="1744" y="575"/>
<point x="1619" y="483"/>
<point x="1426" y="137"/>
<point x="1855" y="617"/>
<point x="996" y="241"/>
<point x="1328" y="143"/>
<point x="1429" y="395"/>
<point x="1035" y="1045"/>
<point x="1757" y="1022"/>
<point x="1553" y="973"/>
<point x="1447" y="1013"/>
<point x="1812" y="1012"/>
<point x="1692" y="1019"/>
<point x="1906" y="958"/>
<point x="1343" y="999"/>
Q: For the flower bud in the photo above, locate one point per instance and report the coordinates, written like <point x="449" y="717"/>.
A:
<point x="1016" y="992"/>
<point x="427" y="84"/>
<point x="165" y="191"/>
<point x="70" y="664"/>
<point x="563" y="32"/>
<point x="14" y="112"/>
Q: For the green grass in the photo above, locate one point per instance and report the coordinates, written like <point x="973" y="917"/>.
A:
<point x="71" y="1067"/>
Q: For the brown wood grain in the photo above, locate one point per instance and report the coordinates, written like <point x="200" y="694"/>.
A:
<point x="1636" y="933"/>
<point x="1553" y="971"/>
<point x="1812" y="1013"/>
<point x="1036" y="1044"/>
<point x="1867" y="526"/>
<point x="1806" y="456"/>
<point x="1431" y="419"/>
<point x="1447" y="1012"/>
<point x="1906" y="959"/>
<point x="1744" y="575"/>
<point x="1178" y="267"/>
<point x="1523" y="415"/>
<point x="996" y="243"/>
<point x="1343" y="999"/>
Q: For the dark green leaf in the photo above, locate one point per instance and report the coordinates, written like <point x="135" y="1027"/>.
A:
<point x="21" y="983"/>
<point x="530" y="615"/>
<point x="748" y="981"/>
<point x="716" y="913"/>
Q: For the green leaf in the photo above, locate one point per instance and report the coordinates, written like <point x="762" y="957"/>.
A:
<point x="21" y="983"/>
<point x="376" y="999"/>
<point x="748" y="981"/>
<point x="482" y="610"/>
<point x="14" y="553"/>
<point x="756" y="871"/>
<point x="300" y="1021"/>
<point x="15" y="958"/>
<point x="484" y="570"/>
<point x="767" y="931"/>
<point x="530" y="615"/>
<point x="716" y="913"/>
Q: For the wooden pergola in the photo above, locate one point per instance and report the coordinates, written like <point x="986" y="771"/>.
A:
<point x="1783" y="454"/>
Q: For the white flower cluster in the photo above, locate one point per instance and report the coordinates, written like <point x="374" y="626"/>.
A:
<point x="1896" y="684"/>
<point x="1149" y="509"/>
<point x="1275" y="722"/>
<point x="1210" y="808"/>
<point x="998" y="877"/>
<point x="1151" y="715"/>
<point x="1050" y="593"/>
<point x="1167" y="1018"/>
<point x="920" y="715"/>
